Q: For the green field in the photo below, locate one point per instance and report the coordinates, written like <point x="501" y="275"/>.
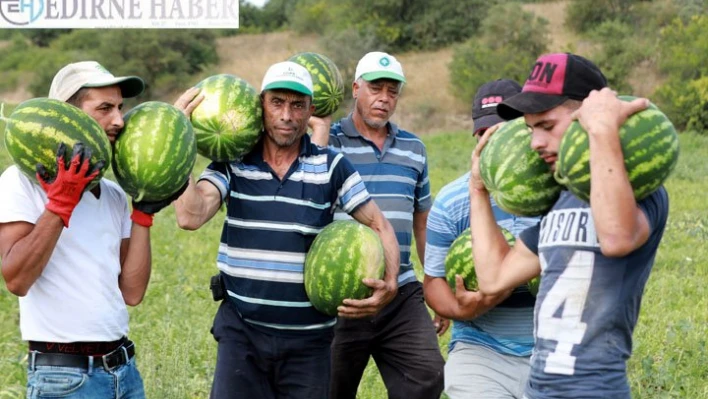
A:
<point x="176" y="352"/>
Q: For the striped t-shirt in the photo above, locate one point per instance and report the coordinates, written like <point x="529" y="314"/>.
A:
<point x="270" y="225"/>
<point x="396" y="177"/>
<point x="507" y="328"/>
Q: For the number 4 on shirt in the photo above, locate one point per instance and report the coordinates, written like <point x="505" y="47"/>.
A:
<point x="570" y="292"/>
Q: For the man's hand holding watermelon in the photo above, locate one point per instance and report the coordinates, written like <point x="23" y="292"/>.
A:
<point x="64" y="191"/>
<point x="144" y="211"/>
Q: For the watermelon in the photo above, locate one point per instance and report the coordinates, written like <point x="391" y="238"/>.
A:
<point x="518" y="179"/>
<point x="35" y="128"/>
<point x="342" y="254"/>
<point x="229" y="121"/>
<point x="327" y="82"/>
<point x="459" y="259"/>
<point x="534" y="284"/>
<point x="649" y="143"/>
<point x="155" y="152"/>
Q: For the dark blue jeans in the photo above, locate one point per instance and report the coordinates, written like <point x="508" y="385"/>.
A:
<point x="254" y="364"/>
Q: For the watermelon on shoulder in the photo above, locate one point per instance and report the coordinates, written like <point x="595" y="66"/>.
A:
<point x="520" y="182"/>
<point x="36" y="127"/>
<point x="229" y="120"/>
<point x="649" y="143"/>
<point x="342" y="254"/>
<point x="155" y="152"/>
<point x="327" y="83"/>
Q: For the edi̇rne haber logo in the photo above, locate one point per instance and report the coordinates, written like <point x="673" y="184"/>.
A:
<point x="88" y="14"/>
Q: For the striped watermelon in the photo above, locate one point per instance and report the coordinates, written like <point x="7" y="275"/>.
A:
<point x="35" y="128"/>
<point x="533" y="285"/>
<point x="327" y="82"/>
<point x="649" y="143"/>
<point x="229" y="120"/>
<point x="155" y="153"/>
<point x="459" y="260"/>
<point x="343" y="253"/>
<point x="518" y="179"/>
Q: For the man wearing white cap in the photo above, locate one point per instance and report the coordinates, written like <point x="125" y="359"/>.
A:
<point x="271" y="342"/>
<point x="393" y="163"/>
<point x="75" y="279"/>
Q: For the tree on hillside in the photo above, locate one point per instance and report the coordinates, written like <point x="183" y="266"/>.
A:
<point x="583" y="15"/>
<point x="43" y="37"/>
<point x="273" y="16"/>
<point x="398" y="24"/>
<point x="617" y="55"/>
<point x="510" y="41"/>
<point x="684" y="59"/>
<point x="166" y="59"/>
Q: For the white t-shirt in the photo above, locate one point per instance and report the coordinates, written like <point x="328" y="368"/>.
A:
<point x="76" y="298"/>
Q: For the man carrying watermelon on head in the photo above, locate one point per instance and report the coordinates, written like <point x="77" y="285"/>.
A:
<point x="492" y="336"/>
<point x="394" y="165"/>
<point x="75" y="279"/>
<point x="272" y="343"/>
<point x="594" y="257"/>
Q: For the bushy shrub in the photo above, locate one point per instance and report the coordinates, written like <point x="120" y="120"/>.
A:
<point x="684" y="59"/>
<point x="685" y="103"/>
<point x="165" y="59"/>
<point x="400" y="25"/>
<point x="617" y="56"/>
<point x="510" y="41"/>
<point x="683" y="48"/>
<point x="583" y="15"/>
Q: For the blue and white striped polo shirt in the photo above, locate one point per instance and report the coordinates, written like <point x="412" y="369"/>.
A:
<point x="507" y="328"/>
<point x="269" y="227"/>
<point x="396" y="178"/>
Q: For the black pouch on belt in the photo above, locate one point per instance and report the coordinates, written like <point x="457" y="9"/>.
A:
<point x="217" y="287"/>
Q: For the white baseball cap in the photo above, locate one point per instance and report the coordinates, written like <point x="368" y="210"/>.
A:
<point x="77" y="75"/>
<point x="288" y="75"/>
<point x="379" y="65"/>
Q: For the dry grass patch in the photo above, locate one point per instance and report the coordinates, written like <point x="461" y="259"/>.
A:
<point x="248" y="56"/>
<point x="427" y="105"/>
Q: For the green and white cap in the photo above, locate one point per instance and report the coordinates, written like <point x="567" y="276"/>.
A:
<point x="82" y="74"/>
<point x="289" y="76"/>
<point x="379" y="65"/>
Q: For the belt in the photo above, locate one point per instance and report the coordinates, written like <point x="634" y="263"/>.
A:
<point x="109" y="361"/>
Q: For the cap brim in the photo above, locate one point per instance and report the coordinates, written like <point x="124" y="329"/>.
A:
<point x="486" y="121"/>
<point x="130" y="86"/>
<point x="382" y="75"/>
<point x="528" y="103"/>
<point x="286" y="85"/>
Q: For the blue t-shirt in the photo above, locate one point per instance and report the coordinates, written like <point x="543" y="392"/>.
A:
<point x="507" y="328"/>
<point x="396" y="177"/>
<point x="588" y="303"/>
<point x="270" y="225"/>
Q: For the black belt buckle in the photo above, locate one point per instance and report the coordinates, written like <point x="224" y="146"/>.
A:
<point x="216" y="285"/>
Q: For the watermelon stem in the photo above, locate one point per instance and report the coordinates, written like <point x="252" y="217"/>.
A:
<point x="2" y="112"/>
<point x="563" y="181"/>
<point x="141" y="194"/>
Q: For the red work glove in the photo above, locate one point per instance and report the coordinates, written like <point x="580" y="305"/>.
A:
<point x="144" y="211"/>
<point x="64" y="191"/>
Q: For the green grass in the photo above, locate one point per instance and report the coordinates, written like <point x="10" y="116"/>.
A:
<point x="177" y="353"/>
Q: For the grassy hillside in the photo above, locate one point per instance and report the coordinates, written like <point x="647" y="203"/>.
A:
<point x="177" y="353"/>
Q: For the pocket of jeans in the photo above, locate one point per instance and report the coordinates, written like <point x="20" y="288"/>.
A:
<point x="55" y="383"/>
